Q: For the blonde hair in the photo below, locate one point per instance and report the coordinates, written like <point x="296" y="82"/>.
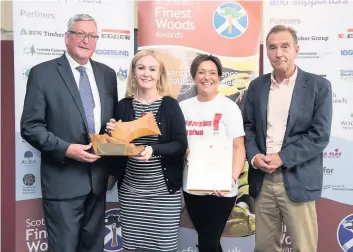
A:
<point x="162" y="83"/>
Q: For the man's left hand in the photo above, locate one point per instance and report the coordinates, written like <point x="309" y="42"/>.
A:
<point x="276" y="161"/>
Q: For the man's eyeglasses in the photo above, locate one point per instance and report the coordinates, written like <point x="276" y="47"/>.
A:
<point x="82" y="35"/>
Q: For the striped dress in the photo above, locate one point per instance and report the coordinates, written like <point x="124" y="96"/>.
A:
<point x="149" y="214"/>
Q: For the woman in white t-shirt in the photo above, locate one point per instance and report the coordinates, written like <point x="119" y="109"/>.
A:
<point x="211" y="114"/>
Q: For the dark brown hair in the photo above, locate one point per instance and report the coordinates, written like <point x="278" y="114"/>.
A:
<point x="205" y="57"/>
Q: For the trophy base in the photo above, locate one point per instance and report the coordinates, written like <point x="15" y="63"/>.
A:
<point x="110" y="149"/>
<point x="104" y="145"/>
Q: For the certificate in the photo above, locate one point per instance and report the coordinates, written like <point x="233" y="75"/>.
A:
<point x="210" y="165"/>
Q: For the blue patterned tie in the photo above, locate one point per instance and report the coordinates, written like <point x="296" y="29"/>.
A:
<point x="87" y="98"/>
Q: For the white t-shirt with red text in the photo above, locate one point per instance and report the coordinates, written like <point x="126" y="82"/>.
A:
<point x="218" y="117"/>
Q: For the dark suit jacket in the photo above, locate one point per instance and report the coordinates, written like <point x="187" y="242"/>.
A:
<point x="307" y="134"/>
<point x="53" y="118"/>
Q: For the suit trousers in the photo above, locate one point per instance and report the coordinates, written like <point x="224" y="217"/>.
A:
<point x="209" y="215"/>
<point x="75" y="225"/>
<point x="272" y="207"/>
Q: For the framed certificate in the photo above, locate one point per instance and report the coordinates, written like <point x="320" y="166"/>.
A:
<point x="210" y="165"/>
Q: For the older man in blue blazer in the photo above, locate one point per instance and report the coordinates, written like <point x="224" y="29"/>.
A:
<point x="287" y="117"/>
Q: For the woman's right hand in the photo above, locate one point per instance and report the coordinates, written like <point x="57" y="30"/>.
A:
<point x="217" y="193"/>
<point x="110" y="125"/>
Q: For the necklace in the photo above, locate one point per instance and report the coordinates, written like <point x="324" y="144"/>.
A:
<point x="144" y="106"/>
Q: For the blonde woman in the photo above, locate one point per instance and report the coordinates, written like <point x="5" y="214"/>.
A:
<point x="150" y="185"/>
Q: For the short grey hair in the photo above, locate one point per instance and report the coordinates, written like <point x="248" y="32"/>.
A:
<point x="79" y="17"/>
<point x="283" y="28"/>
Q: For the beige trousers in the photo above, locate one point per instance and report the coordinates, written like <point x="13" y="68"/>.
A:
<point x="272" y="206"/>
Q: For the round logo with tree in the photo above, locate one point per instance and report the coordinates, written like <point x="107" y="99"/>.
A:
<point x="230" y="20"/>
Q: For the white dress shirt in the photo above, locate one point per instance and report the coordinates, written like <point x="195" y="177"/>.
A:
<point x="92" y="80"/>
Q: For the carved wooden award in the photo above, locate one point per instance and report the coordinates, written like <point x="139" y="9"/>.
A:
<point x="119" y="143"/>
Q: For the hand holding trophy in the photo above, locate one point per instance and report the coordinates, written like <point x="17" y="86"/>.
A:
<point x="118" y="142"/>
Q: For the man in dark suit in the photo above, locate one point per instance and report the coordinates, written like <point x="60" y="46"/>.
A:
<point x="287" y="117"/>
<point x="66" y="99"/>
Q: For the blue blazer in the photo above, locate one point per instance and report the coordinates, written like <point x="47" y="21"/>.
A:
<point x="307" y="134"/>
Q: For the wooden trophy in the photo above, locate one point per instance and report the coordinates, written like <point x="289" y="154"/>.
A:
<point x="119" y="142"/>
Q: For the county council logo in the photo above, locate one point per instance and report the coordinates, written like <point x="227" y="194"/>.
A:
<point x="345" y="233"/>
<point x="112" y="240"/>
<point x="230" y="20"/>
<point x="29" y="50"/>
<point x="122" y="74"/>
